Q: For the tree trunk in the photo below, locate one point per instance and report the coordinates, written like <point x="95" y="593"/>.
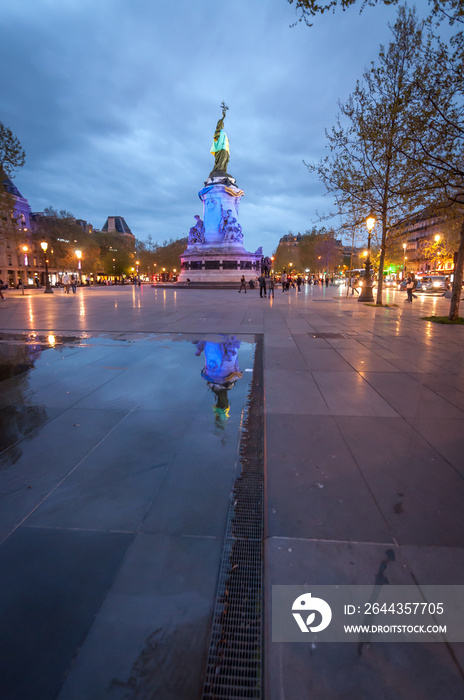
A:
<point x="383" y="248"/>
<point x="457" y="282"/>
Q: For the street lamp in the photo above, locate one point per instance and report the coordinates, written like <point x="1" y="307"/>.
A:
<point x="48" y="289"/>
<point x="404" y="260"/>
<point x="24" y="248"/>
<point x="79" y="267"/>
<point x="366" y="289"/>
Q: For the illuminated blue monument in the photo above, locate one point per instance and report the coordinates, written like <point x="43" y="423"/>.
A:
<point x="215" y="252"/>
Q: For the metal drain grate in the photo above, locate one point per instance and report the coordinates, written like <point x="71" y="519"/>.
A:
<point x="234" y="666"/>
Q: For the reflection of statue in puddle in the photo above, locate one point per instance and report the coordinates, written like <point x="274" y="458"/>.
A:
<point x="221" y="371"/>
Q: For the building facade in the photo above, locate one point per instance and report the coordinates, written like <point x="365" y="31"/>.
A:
<point x="427" y="241"/>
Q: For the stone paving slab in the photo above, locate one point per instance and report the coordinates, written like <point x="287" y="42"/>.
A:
<point x="151" y="634"/>
<point x="53" y="583"/>
<point x="326" y="671"/>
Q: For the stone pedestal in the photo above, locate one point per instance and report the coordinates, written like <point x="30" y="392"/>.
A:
<point x="215" y="250"/>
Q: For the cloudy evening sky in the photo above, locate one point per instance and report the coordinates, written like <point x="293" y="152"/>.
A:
<point x="115" y="103"/>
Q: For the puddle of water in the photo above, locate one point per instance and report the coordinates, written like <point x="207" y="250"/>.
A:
<point x="108" y="371"/>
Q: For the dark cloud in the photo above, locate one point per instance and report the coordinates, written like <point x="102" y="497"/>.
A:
<point x="116" y="101"/>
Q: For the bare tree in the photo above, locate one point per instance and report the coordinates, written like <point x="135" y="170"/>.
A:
<point x="452" y="10"/>
<point x="367" y="170"/>
<point x="436" y="145"/>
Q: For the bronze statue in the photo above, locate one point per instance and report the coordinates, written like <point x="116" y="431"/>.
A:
<point x="220" y="147"/>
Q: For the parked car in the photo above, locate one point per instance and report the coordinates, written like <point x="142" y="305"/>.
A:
<point x="389" y="281"/>
<point x="433" y="284"/>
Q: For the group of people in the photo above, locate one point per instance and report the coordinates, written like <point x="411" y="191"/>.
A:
<point x="69" y="282"/>
<point x="266" y="283"/>
<point x="287" y="281"/>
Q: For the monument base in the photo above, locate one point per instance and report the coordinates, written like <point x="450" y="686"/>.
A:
<point x="215" y="252"/>
<point x="205" y="264"/>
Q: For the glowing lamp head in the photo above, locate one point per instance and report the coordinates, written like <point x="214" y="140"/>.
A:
<point x="78" y="254"/>
<point x="44" y="246"/>
<point x="370" y="222"/>
<point x="437" y="238"/>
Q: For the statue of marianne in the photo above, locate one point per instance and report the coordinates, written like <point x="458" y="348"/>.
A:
<point x="220" y="147"/>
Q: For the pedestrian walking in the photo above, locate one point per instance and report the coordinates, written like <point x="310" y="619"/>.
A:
<point x="262" y="286"/>
<point x="271" y="286"/>
<point x="283" y="279"/>
<point x="2" y="286"/>
<point x="409" y="288"/>
<point x="73" y="283"/>
<point x="298" y="283"/>
<point x="66" y="281"/>
<point x="242" y="284"/>
<point x="354" y="286"/>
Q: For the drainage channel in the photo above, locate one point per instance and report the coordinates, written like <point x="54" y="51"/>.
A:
<point x="234" y="667"/>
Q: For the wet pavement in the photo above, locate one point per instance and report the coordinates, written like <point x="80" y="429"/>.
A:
<point x="119" y="457"/>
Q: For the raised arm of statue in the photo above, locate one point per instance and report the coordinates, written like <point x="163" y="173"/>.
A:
<point x="219" y="128"/>
<point x="220" y="147"/>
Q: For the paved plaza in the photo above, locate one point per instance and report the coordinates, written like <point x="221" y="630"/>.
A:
<point x="115" y="481"/>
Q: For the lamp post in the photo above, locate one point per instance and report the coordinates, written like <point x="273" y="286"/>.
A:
<point x="24" y="248"/>
<point x="404" y="260"/>
<point x="48" y="289"/>
<point x="366" y="289"/>
<point x="79" y="267"/>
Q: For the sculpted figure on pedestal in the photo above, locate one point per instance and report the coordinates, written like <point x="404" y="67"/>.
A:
<point x="231" y="228"/>
<point x="197" y="232"/>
